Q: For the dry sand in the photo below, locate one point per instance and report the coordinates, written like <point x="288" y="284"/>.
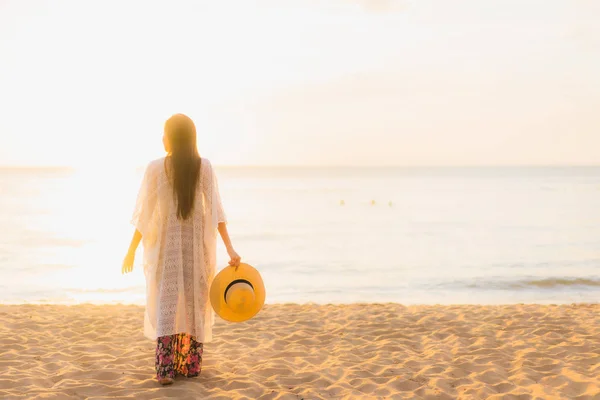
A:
<point x="312" y="352"/>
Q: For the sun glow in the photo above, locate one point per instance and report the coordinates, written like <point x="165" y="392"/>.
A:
<point x="267" y="82"/>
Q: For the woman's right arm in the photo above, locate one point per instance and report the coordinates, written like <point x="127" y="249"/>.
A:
<point x="130" y="257"/>
<point x="234" y="257"/>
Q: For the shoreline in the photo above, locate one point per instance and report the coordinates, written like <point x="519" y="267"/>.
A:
<point x="312" y="303"/>
<point x="310" y="351"/>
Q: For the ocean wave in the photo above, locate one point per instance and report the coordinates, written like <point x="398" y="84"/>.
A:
<point x="543" y="283"/>
<point x="260" y="236"/>
<point x="127" y="289"/>
<point x="554" y="282"/>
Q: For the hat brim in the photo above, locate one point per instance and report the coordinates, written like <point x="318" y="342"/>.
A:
<point x="220" y="283"/>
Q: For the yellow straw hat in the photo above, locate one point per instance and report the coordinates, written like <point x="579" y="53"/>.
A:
<point x="238" y="294"/>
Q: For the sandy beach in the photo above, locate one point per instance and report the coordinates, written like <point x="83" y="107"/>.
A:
<point x="312" y="352"/>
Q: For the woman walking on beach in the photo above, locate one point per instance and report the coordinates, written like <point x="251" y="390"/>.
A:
<point x="177" y="216"/>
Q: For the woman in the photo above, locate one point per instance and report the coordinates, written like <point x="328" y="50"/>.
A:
<point x="177" y="215"/>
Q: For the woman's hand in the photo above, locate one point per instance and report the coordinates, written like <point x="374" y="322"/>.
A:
<point x="235" y="258"/>
<point x="128" y="263"/>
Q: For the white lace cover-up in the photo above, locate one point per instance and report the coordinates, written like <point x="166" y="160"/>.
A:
<point x="179" y="255"/>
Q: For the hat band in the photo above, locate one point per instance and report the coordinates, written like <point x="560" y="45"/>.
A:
<point x="233" y="283"/>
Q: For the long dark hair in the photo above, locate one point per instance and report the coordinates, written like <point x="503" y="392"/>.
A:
<point x="182" y="162"/>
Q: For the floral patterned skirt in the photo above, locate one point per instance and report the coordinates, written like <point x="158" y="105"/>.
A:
<point x="178" y="354"/>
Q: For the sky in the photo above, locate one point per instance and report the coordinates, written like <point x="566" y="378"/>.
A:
<point x="302" y="82"/>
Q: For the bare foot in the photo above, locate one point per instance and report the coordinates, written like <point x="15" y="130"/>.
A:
<point x="165" y="381"/>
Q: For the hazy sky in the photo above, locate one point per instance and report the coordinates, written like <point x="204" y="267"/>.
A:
<point x="313" y="82"/>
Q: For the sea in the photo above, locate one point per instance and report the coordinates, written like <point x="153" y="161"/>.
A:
<point x="410" y="235"/>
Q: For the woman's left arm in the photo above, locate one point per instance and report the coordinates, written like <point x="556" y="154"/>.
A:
<point x="234" y="257"/>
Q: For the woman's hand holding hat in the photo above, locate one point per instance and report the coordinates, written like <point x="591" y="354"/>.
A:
<point x="235" y="258"/>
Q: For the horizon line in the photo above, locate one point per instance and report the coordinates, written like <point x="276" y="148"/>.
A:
<point x="309" y="166"/>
